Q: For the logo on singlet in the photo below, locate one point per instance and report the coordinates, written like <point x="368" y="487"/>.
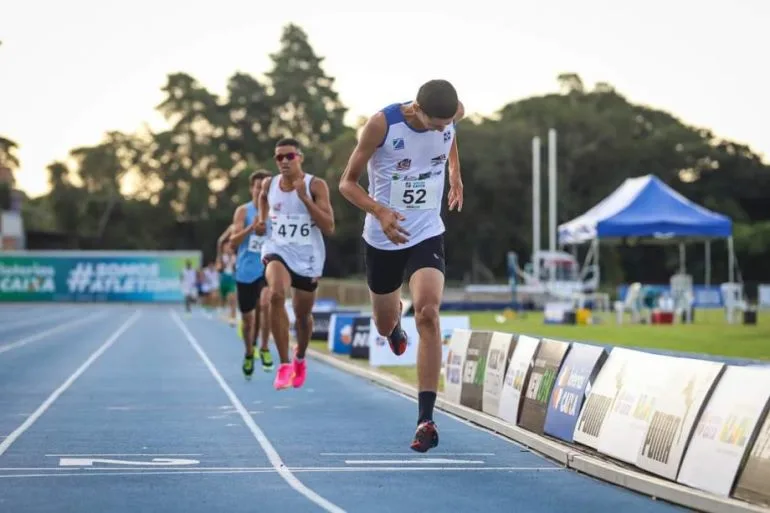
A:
<point x="447" y="135"/>
<point x="398" y="143"/>
<point x="437" y="161"/>
<point x="404" y="164"/>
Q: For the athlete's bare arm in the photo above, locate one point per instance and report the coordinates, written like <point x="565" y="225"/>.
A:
<point x="455" y="179"/>
<point x="221" y="240"/>
<point x="372" y="135"/>
<point x="239" y="231"/>
<point x="264" y="207"/>
<point x="319" y="206"/>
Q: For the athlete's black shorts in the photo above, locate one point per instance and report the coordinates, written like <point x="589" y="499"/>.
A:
<point x="386" y="270"/>
<point x="297" y="282"/>
<point x="248" y="294"/>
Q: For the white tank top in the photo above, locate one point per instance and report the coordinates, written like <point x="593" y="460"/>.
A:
<point x="228" y="264"/>
<point x="406" y="173"/>
<point x="292" y="234"/>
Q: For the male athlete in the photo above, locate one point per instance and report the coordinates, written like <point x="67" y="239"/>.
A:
<point x="405" y="148"/>
<point x="247" y="234"/>
<point x="300" y="215"/>
<point x="189" y="279"/>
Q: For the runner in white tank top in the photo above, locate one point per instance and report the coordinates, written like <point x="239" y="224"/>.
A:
<point x="405" y="148"/>
<point x="300" y="214"/>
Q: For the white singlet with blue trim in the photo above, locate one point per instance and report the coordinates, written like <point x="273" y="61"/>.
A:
<point x="406" y="174"/>
<point x="292" y="234"/>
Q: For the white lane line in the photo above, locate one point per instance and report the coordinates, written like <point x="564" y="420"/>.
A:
<point x="404" y="454"/>
<point x="416" y="461"/>
<point x="5" y="444"/>
<point x="117" y="454"/>
<point x="268" y="470"/>
<point x="140" y="468"/>
<point x="259" y="435"/>
<point x="33" y="319"/>
<point x="51" y="331"/>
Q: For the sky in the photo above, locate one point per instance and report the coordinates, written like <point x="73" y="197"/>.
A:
<point x="71" y="71"/>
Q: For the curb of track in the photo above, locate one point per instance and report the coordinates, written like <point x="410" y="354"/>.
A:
<point x="571" y="457"/>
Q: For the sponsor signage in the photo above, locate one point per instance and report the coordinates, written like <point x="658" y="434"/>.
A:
<point x="516" y="378"/>
<point x="501" y="348"/>
<point x="575" y="379"/>
<point x="474" y="367"/>
<point x="723" y="433"/>
<point x="545" y="369"/>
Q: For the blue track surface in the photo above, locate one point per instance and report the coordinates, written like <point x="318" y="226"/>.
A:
<point x="154" y="392"/>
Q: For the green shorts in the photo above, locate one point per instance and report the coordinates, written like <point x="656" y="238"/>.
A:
<point x="226" y="285"/>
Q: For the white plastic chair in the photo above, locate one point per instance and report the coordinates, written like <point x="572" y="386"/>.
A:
<point x="732" y="297"/>
<point x="630" y="304"/>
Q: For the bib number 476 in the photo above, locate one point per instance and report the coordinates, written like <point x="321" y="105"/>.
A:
<point x="290" y="230"/>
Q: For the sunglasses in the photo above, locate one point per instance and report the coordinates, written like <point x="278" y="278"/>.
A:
<point x="286" y="156"/>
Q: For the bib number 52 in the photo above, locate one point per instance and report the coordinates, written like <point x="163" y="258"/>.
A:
<point x="414" y="196"/>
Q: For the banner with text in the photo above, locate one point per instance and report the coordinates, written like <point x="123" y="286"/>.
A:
<point x="576" y="377"/>
<point x="102" y="276"/>
<point x="722" y="436"/>
<point x="500" y="352"/>
<point x="516" y="378"/>
<point x="545" y="368"/>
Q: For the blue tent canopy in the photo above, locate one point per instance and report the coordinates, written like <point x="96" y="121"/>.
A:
<point x="645" y="207"/>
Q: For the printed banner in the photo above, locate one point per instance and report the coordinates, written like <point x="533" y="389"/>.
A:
<point x="453" y="381"/>
<point x="626" y="424"/>
<point x="101" y="276"/>
<point x="545" y="368"/>
<point x="363" y="325"/>
<point x="500" y="351"/>
<point x="516" y="378"/>
<point x="725" y="428"/>
<point x="671" y="413"/>
<point x="474" y="367"/>
<point x="322" y="322"/>
<point x="380" y="354"/>
<point x="603" y="395"/>
<point x="754" y="481"/>
<point x="340" y="336"/>
<point x="575" y="380"/>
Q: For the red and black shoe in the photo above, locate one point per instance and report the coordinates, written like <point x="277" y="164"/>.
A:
<point x="426" y="437"/>
<point x="397" y="340"/>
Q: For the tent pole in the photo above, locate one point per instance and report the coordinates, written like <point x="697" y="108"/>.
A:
<point x="730" y="260"/>
<point x="552" y="189"/>
<point x="707" y="270"/>
<point x="682" y="259"/>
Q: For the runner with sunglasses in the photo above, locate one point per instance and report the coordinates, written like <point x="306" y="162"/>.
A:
<point x="300" y="213"/>
<point x="405" y="148"/>
<point x="247" y="234"/>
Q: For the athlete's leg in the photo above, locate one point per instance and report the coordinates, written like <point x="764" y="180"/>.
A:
<point x="385" y="275"/>
<point x="264" y="310"/>
<point x="426" y="283"/>
<point x="264" y="329"/>
<point x="247" y="303"/>
<point x="302" y="303"/>
<point x="279" y="282"/>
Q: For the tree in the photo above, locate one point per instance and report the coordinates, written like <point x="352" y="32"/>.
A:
<point x="305" y="104"/>
<point x="8" y="156"/>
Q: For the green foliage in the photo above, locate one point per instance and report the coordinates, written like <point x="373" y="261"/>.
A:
<point x="177" y="188"/>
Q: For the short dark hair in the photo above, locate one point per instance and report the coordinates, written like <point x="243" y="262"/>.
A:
<point x="258" y="175"/>
<point x="288" y="141"/>
<point x="438" y="99"/>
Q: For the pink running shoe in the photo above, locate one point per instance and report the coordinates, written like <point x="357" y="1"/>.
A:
<point x="300" y="372"/>
<point x="284" y="376"/>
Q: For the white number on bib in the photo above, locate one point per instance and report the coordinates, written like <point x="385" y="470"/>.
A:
<point x="292" y="229"/>
<point x="255" y="243"/>
<point x="414" y="195"/>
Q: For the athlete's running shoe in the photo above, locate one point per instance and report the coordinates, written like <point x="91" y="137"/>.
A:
<point x="397" y="340"/>
<point x="300" y="372"/>
<point x="267" y="359"/>
<point x="426" y="437"/>
<point x="283" y="379"/>
<point x="248" y="365"/>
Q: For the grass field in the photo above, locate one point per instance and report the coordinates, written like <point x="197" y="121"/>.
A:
<point x="709" y="334"/>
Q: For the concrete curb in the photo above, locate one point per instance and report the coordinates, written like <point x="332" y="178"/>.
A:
<point x="565" y="455"/>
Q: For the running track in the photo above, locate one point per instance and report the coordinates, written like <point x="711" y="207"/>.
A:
<point x="92" y="398"/>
